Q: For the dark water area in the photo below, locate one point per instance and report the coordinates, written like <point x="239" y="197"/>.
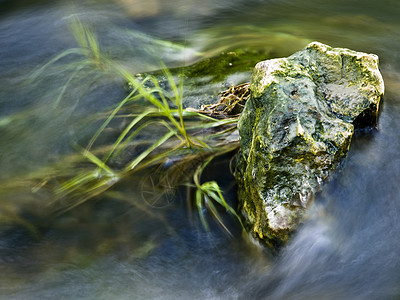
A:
<point x="129" y="244"/>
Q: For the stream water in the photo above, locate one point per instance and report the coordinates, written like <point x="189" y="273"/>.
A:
<point x="119" y="246"/>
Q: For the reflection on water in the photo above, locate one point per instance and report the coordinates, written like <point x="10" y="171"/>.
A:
<point x="120" y="247"/>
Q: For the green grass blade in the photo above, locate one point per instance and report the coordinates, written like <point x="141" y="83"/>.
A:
<point x="126" y="131"/>
<point x="161" y="92"/>
<point x="171" y="81"/>
<point x="138" y="130"/>
<point x="216" y="214"/>
<point x="147" y="94"/>
<point x="36" y="74"/>
<point x="94" y="159"/>
<point x="88" y="193"/>
<point x="199" y="206"/>
<point x="76" y="182"/>
<point x="199" y="171"/>
<point x="214" y="191"/>
<point x="112" y="115"/>
<point x="178" y="93"/>
<point x="156" y="159"/>
<point x="145" y="153"/>
<point x="79" y="32"/>
<point x="93" y="44"/>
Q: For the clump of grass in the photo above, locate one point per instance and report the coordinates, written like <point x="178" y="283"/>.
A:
<point x="184" y="135"/>
<point x="209" y="193"/>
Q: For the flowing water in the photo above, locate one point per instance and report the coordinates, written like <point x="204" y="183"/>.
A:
<point x="120" y="246"/>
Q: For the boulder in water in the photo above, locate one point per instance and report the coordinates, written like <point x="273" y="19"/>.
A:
<point x="295" y="130"/>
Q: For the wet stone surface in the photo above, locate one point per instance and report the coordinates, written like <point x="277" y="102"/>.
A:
<point x="295" y="130"/>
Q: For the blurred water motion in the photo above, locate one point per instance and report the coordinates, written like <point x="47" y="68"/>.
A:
<point x="118" y="246"/>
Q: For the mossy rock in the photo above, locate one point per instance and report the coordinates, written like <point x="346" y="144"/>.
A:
<point x="295" y="130"/>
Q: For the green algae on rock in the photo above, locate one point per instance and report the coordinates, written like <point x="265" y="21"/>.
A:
<point x="295" y="130"/>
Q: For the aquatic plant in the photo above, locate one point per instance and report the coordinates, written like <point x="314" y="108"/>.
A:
<point x="188" y="138"/>
<point x="206" y="194"/>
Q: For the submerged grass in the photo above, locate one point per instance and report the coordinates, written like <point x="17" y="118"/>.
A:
<point x="185" y="139"/>
<point x="209" y="193"/>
